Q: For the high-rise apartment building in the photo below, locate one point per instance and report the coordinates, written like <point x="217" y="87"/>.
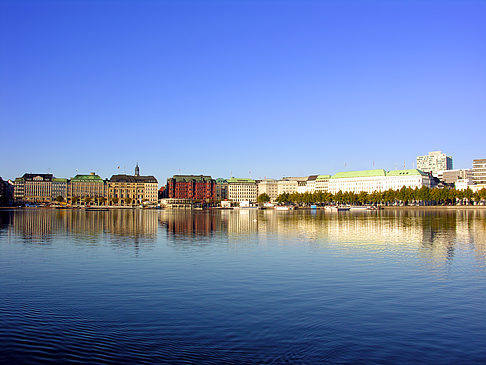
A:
<point x="434" y="162"/>
<point x="479" y="171"/>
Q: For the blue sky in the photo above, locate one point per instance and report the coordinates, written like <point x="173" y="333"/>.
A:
<point x="241" y="88"/>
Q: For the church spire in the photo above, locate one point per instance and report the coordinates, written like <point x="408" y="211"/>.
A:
<point x="137" y="170"/>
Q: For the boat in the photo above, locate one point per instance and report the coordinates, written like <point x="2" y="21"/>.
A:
<point x="284" y="207"/>
<point x="96" y="209"/>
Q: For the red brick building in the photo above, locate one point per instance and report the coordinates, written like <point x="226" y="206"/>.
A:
<point x="196" y="187"/>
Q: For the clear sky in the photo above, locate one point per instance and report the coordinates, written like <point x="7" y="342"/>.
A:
<point x="242" y="88"/>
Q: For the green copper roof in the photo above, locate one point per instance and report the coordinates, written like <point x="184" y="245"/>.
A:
<point x="323" y="177"/>
<point x="192" y="178"/>
<point x="59" y="179"/>
<point x="87" y="178"/>
<point x="410" y="172"/>
<point x="241" y="180"/>
<point x="363" y="173"/>
<point x="220" y="180"/>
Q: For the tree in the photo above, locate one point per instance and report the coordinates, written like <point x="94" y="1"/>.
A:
<point x="102" y="200"/>
<point x="59" y="199"/>
<point x="74" y="199"/>
<point x="87" y="200"/>
<point x="128" y="200"/>
<point x="114" y="200"/>
<point x="263" y="198"/>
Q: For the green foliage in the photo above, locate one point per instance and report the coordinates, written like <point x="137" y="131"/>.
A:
<point x="403" y="196"/>
<point x="263" y="198"/>
<point x="59" y="199"/>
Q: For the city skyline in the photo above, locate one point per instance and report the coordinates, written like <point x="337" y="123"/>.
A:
<point x="259" y="89"/>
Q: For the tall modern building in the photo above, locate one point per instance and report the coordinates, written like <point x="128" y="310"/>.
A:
<point x="434" y="162"/>
<point x="479" y="171"/>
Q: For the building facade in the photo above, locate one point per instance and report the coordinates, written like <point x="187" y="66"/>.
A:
<point x="269" y="187"/>
<point x="59" y="188"/>
<point x="221" y="189"/>
<point x="196" y="187"/>
<point x="87" y="189"/>
<point x="479" y="171"/>
<point x="242" y="189"/>
<point x="377" y="180"/>
<point x="322" y="183"/>
<point x="452" y="176"/>
<point x="33" y="188"/>
<point x="434" y="162"/>
<point x="129" y="190"/>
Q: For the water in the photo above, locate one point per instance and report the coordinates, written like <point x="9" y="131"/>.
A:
<point x="126" y="286"/>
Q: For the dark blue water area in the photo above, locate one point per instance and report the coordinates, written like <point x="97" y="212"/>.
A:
<point x="232" y="287"/>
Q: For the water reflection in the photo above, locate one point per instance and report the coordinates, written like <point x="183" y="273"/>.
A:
<point x="436" y="232"/>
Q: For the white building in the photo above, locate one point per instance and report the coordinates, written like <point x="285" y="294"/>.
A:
<point x="269" y="187"/>
<point x="451" y="176"/>
<point x="289" y="185"/>
<point x="463" y="184"/>
<point x="479" y="171"/>
<point x="242" y="189"/>
<point x="377" y="180"/>
<point x="322" y="183"/>
<point x="434" y="162"/>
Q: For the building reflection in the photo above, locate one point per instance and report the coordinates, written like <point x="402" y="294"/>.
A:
<point x="42" y="225"/>
<point x="434" y="233"/>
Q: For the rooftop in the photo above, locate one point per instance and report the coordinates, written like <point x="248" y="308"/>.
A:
<point x="241" y="180"/>
<point x="87" y="178"/>
<point x="409" y="172"/>
<point x="133" y="179"/>
<point x="362" y="173"/>
<point x="191" y="178"/>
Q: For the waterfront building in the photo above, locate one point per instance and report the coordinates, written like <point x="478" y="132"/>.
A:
<point x="33" y="188"/>
<point x="269" y="187"/>
<point x="87" y="189"/>
<point x="221" y="189"/>
<point x="6" y="192"/>
<point x="196" y="187"/>
<point x="434" y="162"/>
<point x="357" y="181"/>
<point x="290" y="185"/>
<point x="322" y="183"/>
<point x="463" y="184"/>
<point x="452" y="176"/>
<point x="129" y="190"/>
<point x="411" y="178"/>
<point x="310" y="186"/>
<point x="242" y="189"/>
<point x="59" y="188"/>
<point x="19" y="190"/>
<point x="479" y="171"/>
<point x="377" y="180"/>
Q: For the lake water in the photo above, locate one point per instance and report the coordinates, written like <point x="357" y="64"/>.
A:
<point x="133" y="286"/>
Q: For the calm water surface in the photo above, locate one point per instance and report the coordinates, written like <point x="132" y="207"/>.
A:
<point x="405" y="286"/>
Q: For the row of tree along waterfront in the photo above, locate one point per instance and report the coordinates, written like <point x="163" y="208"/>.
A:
<point x="405" y="196"/>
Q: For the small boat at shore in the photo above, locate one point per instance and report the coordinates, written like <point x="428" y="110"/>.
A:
<point x="96" y="209"/>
